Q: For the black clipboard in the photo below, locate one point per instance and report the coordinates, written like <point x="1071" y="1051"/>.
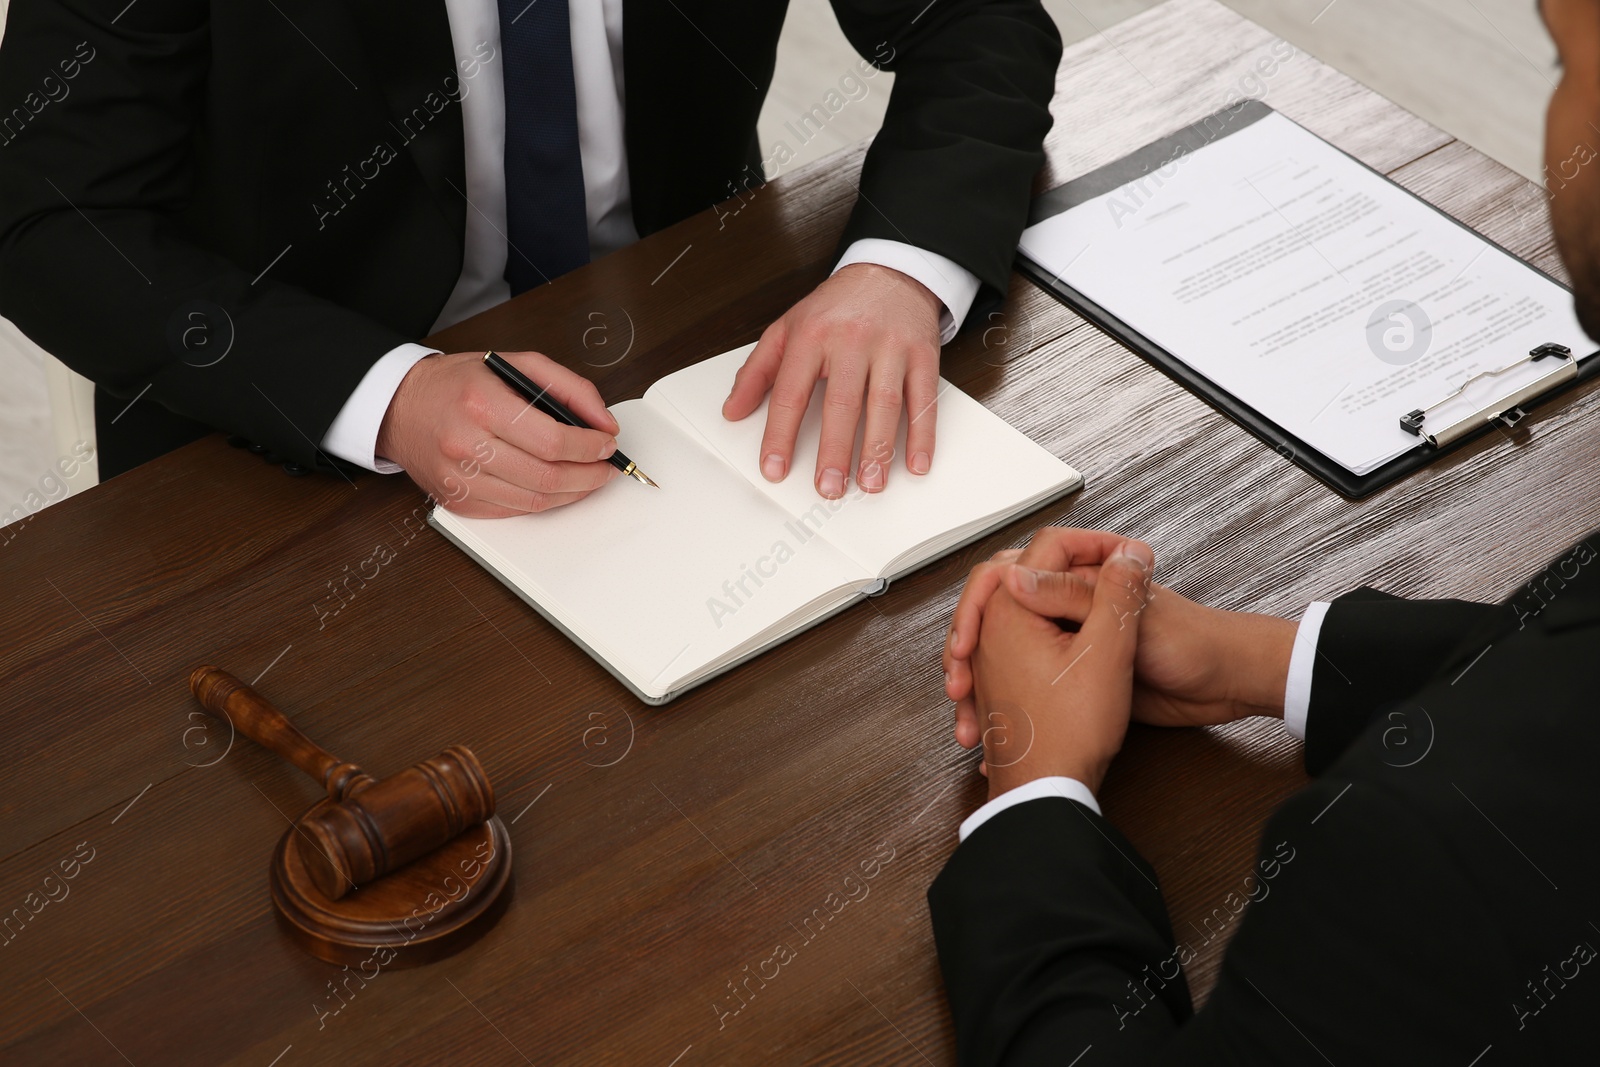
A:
<point x="1162" y="153"/>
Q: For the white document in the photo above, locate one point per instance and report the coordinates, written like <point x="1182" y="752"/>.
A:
<point x="1313" y="289"/>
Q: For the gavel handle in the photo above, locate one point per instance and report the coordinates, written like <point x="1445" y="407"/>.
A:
<point x="253" y="715"/>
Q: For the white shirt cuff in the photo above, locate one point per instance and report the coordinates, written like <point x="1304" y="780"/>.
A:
<point x="946" y="279"/>
<point x="1297" y="694"/>
<point x="1068" y="788"/>
<point x="353" y="437"/>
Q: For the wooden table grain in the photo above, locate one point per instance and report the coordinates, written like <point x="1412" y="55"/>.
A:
<point x="662" y="855"/>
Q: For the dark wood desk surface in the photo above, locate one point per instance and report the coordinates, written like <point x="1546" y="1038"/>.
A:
<point x="661" y="853"/>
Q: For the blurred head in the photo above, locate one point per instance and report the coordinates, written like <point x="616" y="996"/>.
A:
<point x="1572" y="149"/>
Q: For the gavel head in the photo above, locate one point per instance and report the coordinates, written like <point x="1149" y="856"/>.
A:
<point x="387" y="824"/>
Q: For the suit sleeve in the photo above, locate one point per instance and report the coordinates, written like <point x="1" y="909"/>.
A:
<point x="1376" y="649"/>
<point x="1050" y="930"/>
<point x="96" y="264"/>
<point x="1054" y="941"/>
<point x="952" y="168"/>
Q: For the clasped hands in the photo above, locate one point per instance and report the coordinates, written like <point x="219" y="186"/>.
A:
<point x="1054" y="648"/>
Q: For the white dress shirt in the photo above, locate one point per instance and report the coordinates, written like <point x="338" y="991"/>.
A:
<point x="1297" y="694"/>
<point x="597" y="72"/>
<point x="1296" y="703"/>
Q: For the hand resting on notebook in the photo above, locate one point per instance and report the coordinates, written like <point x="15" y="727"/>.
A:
<point x="873" y="333"/>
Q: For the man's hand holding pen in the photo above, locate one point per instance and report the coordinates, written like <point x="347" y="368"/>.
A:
<point x="449" y="406"/>
<point x="871" y="331"/>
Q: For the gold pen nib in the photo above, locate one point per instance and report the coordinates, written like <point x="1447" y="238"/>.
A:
<point x="633" y="471"/>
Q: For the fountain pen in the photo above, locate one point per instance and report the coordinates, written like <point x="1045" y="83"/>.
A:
<point x="541" y="399"/>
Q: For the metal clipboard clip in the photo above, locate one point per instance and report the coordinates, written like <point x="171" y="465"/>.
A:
<point x="1507" y="411"/>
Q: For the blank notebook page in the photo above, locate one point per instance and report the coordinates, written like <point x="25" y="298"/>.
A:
<point x="982" y="467"/>
<point x="631" y="570"/>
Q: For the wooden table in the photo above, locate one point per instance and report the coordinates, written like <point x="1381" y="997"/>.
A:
<point x="660" y="855"/>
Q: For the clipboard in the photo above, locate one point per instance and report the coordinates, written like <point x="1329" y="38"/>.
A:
<point x="1503" y="410"/>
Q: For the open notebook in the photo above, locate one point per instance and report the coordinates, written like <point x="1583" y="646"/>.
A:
<point x="669" y="587"/>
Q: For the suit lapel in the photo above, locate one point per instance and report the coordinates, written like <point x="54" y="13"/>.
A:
<point x="409" y="47"/>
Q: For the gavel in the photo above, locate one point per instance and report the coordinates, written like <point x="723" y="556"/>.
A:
<point x="372" y="827"/>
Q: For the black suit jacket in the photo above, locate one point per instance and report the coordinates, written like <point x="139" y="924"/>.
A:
<point x="170" y="170"/>
<point x="1435" y="892"/>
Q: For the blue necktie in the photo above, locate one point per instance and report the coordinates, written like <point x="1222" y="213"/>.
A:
<point x="547" y="228"/>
